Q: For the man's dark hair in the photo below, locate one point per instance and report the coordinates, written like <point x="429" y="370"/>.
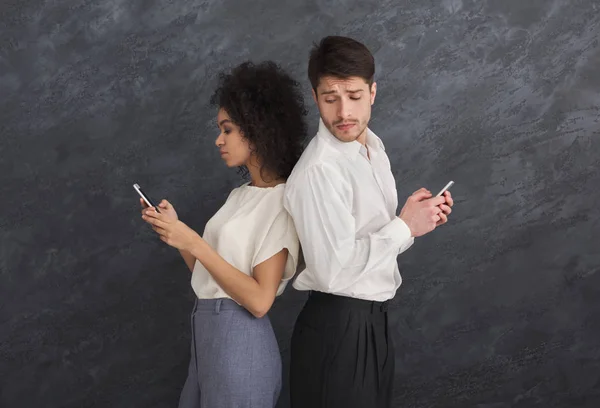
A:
<point x="340" y="57"/>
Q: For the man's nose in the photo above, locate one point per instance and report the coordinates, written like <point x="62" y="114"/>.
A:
<point x="343" y="109"/>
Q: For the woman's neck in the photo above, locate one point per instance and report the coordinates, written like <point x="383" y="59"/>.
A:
<point x="266" y="179"/>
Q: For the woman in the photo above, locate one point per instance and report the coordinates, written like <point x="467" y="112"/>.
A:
<point x="249" y="249"/>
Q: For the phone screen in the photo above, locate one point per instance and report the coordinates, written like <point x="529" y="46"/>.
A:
<point x="145" y="197"/>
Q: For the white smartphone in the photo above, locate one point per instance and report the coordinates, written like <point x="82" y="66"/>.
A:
<point x="450" y="183"/>
<point x="145" y="197"/>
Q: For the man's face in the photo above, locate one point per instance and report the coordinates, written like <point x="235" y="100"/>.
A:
<point x="345" y="106"/>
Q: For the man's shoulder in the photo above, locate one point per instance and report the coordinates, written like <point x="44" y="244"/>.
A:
<point x="317" y="168"/>
<point x="317" y="158"/>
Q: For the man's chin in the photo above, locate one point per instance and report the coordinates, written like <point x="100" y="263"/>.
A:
<point x="347" y="136"/>
<point x="344" y="137"/>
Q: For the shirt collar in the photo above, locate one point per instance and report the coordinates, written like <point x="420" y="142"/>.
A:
<point x="350" y="148"/>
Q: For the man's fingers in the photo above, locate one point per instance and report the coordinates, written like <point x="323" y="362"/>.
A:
<point x="446" y="209"/>
<point x="420" y="195"/>
<point x="435" y="201"/>
<point x="422" y="189"/>
<point x="434" y="210"/>
<point x="449" y="199"/>
<point x="443" y="218"/>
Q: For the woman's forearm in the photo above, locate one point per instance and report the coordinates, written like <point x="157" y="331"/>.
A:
<point x="242" y="288"/>
<point x="190" y="260"/>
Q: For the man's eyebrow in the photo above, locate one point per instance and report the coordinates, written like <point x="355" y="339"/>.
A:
<point x="352" y="91"/>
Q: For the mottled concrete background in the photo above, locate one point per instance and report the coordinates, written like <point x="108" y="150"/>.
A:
<point x="498" y="309"/>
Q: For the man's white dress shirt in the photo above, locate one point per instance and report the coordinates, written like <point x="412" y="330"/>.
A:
<point x="344" y="204"/>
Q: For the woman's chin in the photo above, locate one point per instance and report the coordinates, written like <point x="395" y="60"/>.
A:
<point x="230" y="163"/>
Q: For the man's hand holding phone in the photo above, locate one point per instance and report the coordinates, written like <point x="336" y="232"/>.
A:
<point x="422" y="212"/>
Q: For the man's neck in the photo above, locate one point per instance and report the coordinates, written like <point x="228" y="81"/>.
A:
<point x="362" y="138"/>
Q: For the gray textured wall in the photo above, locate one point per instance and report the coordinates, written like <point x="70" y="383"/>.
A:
<point x="498" y="309"/>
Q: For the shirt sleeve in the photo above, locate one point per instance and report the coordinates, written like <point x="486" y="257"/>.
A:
<point x="320" y="205"/>
<point x="281" y="234"/>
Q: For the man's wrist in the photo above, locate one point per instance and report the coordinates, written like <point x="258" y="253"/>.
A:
<point x="412" y="235"/>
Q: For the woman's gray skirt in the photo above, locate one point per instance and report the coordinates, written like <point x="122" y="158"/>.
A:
<point x="235" y="361"/>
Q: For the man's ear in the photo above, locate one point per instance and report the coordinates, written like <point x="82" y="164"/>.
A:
<point x="314" y="94"/>
<point x="373" y="92"/>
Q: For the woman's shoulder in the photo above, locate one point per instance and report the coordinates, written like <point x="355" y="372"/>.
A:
<point x="236" y="190"/>
<point x="260" y="199"/>
<point x="271" y="192"/>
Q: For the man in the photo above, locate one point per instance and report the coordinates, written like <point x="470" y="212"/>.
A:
<point x="342" y="197"/>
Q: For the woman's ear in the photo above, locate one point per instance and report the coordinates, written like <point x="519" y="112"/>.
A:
<point x="252" y="148"/>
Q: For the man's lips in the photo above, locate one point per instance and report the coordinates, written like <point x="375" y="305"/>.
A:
<point x="345" y="126"/>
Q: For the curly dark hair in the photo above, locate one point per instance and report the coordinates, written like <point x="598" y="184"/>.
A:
<point x="268" y="106"/>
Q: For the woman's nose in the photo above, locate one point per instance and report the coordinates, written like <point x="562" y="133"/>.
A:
<point x="219" y="142"/>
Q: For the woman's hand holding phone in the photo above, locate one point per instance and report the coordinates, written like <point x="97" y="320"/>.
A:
<point x="165" y="208"/>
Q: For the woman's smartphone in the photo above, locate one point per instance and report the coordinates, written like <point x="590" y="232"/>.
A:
<point x="450" y="183"/>
<point x="146" y="199"/>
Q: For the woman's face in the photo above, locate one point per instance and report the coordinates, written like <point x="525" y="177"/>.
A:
<point x="234" y="148"/>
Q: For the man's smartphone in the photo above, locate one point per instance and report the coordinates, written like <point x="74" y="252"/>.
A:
<point x="450" y="183"/>
<point x="145" y="197"/>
